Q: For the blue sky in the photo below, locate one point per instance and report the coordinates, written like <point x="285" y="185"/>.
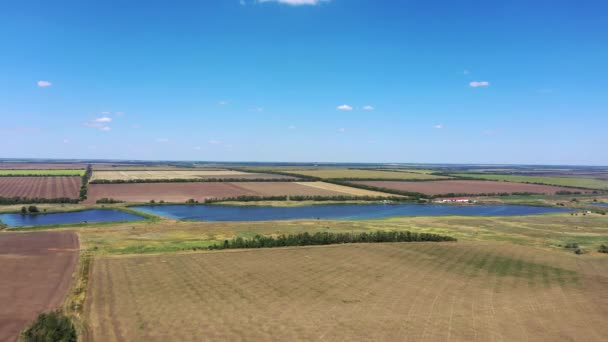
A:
<point x="305" y="80"/>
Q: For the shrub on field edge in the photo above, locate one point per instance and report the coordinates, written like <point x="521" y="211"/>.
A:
<point x="603" y="249"/>
<point x="50" y="327"/>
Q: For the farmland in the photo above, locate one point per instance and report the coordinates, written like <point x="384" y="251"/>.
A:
<point x="181" y="192"/>
<point x="40" y="187"/>
<point x="364" y="174"/>
<point x="179" y="174"/>
<point x="589" y="183"/>
<point x="41" y="172"/>
<point x="40" y="166"/>
<point x="36" y="273"/>
<point x="419" y="291"/>
<point x="464" y="187"/>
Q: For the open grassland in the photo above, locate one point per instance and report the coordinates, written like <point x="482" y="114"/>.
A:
<point x="363" y="174"/>
<point x="540" y="231"/>
<point x="35" y="276"/>
<point x="181" y="192"/>
<point x="464" y="187"/>
<point x="589" y="183"/>
<point x="41" y="172"/>
<point x="179" y="174"/>
<point x="402" y="291"/>
<point x="40" y="187"/>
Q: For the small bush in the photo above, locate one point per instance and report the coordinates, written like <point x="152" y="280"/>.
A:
<point x="579" y="251"/>
<point x="33" y="209"/>
<point x="572" y="245"/>
<point x="108" y="201"/>
<point x="603" y="249"/>
<point x="50" y="327"/>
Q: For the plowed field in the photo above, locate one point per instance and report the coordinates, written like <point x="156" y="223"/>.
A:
<point x="465" y="187"/>
<point x="40" y="187"/>
<point x="35" y="276"/>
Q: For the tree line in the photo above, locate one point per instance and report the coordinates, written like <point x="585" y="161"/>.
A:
<point x="328" y="238"/>
<point x="84" y="187"/>
<point x="25" y="200"/>
<point x="191" y="180"/>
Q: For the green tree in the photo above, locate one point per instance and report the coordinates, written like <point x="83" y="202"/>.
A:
<point x="50" y="327"/>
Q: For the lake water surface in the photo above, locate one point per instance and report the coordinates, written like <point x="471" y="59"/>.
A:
<point x="218" y="213"/>
<point x="85" y="216"/>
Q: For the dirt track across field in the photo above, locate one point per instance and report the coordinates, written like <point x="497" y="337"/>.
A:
<point x="361" y="292"/>
<point x="35" y="276"/>
<point x="181" y="192"/>
<point x="40" y="187"/>
<point x="465" y="187"/>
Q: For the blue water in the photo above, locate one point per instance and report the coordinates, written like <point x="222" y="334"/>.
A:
<point x="85" y="216"/>
<point x="600" y="204"/>
<point x="218" y="213"/>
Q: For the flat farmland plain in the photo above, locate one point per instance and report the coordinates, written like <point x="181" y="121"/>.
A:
<point x="181" y="192"/>
<point x="35" y="276"/>
<point x="179" y="174"/>
<point x="589" y="183"/>
<point x="464" y="187"/>
<point x="41" y="166"/>
<point x="40" y="187"/>
<point x="363" y="174"/>
<point x="41" y="172"/>
<point x="404" y="291"/>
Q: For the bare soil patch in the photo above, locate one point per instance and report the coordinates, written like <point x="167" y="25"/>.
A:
<point x="40" y="187"/>
<point x="465" y="187"/>
<point x="180" y="174"/>
<point x="36" y="272"/>
<point x="402" y="291"/>
<point x="181" y="192"/>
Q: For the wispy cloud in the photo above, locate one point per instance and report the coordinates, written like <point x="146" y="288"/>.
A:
<point x="368" y="108"/>
<point x="222" y="103"/>
<point x="342" y="130"/>
<point x="44" y="84"/>
<point x="291" y="127"/>
<point x="295" y="2"/>
<point x="476" y="84"/>
<point x="66" y="141"/>
<point x="345" y="107"/>
<point x="103" y="119"/>
<point x="215" y="142"/>
<point x="162" y="140"/>
<point x="100" y="124"/>
<point x="439" y="126"/>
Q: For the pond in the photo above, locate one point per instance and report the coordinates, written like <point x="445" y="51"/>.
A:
<point x="85" y="216"/>
<point x="599" y="204"/>
<point x="218" y="213"/>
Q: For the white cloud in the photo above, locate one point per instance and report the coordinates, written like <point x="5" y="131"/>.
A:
<point x="66" y="141"/>
<point x="106" y="113"/>
<point x="296" y="2"/>
<point x="342" y="130"/>
<point x="119" y="113"/>
<point x="198" y="148"/>
<point x="44" y="84"/>
<point x="222" y="103"/>
<point x="162" y="140"/>
<point x="368" y="108"/>
<point x="214" y="142"/>
<point x="105" y="129"/>
<point x="476" y="84"/>
<point x="291" y="127"/>
<point x="104" y="119"/>
<point x="345" y="107"/>
<point x="440" y="126"/>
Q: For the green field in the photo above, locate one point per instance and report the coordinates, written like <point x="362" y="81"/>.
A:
<point x="589" y="183"/>
<point x="37" y="173"/>
<point x="364" y="174"/>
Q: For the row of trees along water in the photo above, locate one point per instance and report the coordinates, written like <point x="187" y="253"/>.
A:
<point x="327" y="238"/>
<point x="26" y="200"/>
<point x="303" y="198"/>
<point x="85" y="182"/>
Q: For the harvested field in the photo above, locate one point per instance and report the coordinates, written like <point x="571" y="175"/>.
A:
<point x="465" y="187"/>
<point x="40" y="166"/>
<point x="181" y="192"/>
<point x="40" y="187"/>
<point x="346" y="190"/>
<point x="403" y="291"/>
<point x="589" y="183"/>
<point x="364" y="174"/>
<point x="176" y="174"/>
<point x="36" y="275"/>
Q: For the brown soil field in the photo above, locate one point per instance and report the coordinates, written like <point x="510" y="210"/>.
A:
<point x="181" y="192"/>
<point x="465" y="187"/>
<point x="389" y="292"/>
<point x="40" y="187"/>
<point x="180" y="174"/>
<point x="42" y="166"/>
<point x="36" y="274"/>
